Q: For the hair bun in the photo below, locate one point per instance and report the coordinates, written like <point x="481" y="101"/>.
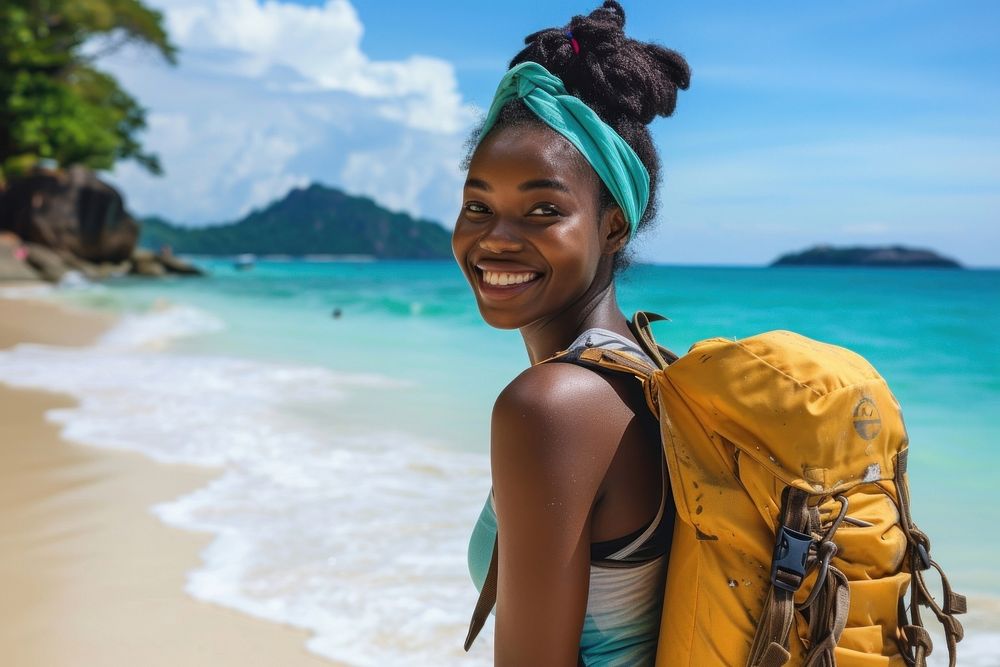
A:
<point x="620" y="78"/>
<point x="614" y="12"/>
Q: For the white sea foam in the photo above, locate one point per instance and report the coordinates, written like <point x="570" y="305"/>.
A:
<point x="163" y="323"/>
<point x="74" y="279"/>
<point x="356" y="531"/>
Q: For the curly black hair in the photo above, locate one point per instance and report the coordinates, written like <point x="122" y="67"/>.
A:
<point x="626" y="82"/>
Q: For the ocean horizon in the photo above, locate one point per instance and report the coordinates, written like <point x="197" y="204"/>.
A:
<point x="355" y="257"/>
<point x="354" y="448"/>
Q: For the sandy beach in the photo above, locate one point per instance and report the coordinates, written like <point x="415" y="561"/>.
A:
<point x="89" y="575"/>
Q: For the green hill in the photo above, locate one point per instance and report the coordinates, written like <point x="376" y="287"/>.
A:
<point x="308" y="221"/>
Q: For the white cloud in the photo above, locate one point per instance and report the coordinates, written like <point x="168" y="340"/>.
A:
<point x="271" y="96"/>
<point x="322" y="45"/>
<point x="405" y="177"/>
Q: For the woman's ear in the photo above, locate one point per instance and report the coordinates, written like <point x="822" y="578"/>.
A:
<point x="614" y="230"/>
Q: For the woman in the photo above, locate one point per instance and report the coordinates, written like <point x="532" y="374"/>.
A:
<point x="561" y="176"/>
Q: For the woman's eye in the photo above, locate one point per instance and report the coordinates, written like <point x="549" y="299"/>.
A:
<point x="546" y="209"/>
<point x="473" y="207"/>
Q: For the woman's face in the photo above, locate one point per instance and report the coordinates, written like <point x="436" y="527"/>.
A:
<point x="528" y="236"/>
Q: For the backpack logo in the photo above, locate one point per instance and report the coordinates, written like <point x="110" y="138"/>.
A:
<point x="867" y="421"/>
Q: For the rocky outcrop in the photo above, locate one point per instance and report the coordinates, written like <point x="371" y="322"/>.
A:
<point x="71" y="211"/>
<point x="59" y="221"/>
<point x="144" y="263"/>
<point x="47" y="262"/>
<point x="174" y="265"/>
<point x="32" y="261"/>
<point x="92" y="271"/>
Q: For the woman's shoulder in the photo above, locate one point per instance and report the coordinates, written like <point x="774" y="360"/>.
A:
<point x="562" y="417"/>
<point x="557" y="391"/>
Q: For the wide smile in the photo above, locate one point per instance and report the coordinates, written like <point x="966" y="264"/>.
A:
<point x="496" y="283"/>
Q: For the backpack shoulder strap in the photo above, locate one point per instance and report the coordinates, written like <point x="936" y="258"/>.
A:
<point x="788" y="569"/>
<point x="602" y="359"/>
<point x="620" y="361"/>
<point x="487" y="598"/>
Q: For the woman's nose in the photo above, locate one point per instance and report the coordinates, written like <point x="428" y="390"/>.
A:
<point x="499" y="239"/>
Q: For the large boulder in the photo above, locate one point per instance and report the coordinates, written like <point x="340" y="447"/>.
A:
<point x="176" y="265"/>
<point x="145" y="263"/>
<point x="47" y="262"/>
<point x="88" y="270"/>
<point x="92" y="271"/>
<point x="70" y="211"/>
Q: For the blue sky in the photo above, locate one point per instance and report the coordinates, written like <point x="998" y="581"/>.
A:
<point x="844" y="123"/>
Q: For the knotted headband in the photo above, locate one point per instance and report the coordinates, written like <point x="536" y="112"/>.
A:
<point x="610" y="155"/>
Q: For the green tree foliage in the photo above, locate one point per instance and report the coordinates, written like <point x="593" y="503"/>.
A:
<point x="53" y="102"/>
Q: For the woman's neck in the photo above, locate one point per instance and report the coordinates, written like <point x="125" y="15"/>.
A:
<point x="545" y="337"/>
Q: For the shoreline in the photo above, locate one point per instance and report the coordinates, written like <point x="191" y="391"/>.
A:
<point x="91" y="575"/>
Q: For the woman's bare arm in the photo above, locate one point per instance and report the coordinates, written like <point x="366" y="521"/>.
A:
<point x="554" y="432"/>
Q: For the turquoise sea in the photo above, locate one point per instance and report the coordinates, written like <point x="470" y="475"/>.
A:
<point x="354" y="449"/>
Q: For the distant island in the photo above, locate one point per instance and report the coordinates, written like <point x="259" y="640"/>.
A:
<point x="316" y="220"/>
<point x="885" y="256"/>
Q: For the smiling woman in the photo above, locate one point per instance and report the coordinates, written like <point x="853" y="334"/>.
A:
<point x="562" y="174"/>
<point x="532" y="211"/>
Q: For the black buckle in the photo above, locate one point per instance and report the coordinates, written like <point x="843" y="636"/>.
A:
<point x="788" y="564"/>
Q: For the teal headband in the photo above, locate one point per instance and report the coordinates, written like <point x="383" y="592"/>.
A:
<point x="610" y="156"/>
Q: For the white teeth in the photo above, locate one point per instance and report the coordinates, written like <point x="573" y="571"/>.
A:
<point x="504" y="279"/>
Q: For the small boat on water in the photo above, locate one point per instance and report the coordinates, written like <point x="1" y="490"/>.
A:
<point x="245" y="261"/>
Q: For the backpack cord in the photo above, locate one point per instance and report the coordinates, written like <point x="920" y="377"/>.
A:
<point x="829" y="600"/>
<point x="918" y="640"/>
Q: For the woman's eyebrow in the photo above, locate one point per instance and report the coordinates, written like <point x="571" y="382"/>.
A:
<point x="536" y="184"/>
<point x="478" y="183"/>
<point x="543" y="184"/>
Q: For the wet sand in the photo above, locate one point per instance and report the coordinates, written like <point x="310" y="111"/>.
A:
<point x="89" y="575"/>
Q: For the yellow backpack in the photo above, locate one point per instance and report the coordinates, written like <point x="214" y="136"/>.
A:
<point x="794" y="540"/>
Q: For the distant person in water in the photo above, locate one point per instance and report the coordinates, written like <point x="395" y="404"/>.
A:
<point x="562" y="175"/>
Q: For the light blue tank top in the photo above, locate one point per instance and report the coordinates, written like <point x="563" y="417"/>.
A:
<point x="624" y="602"/>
